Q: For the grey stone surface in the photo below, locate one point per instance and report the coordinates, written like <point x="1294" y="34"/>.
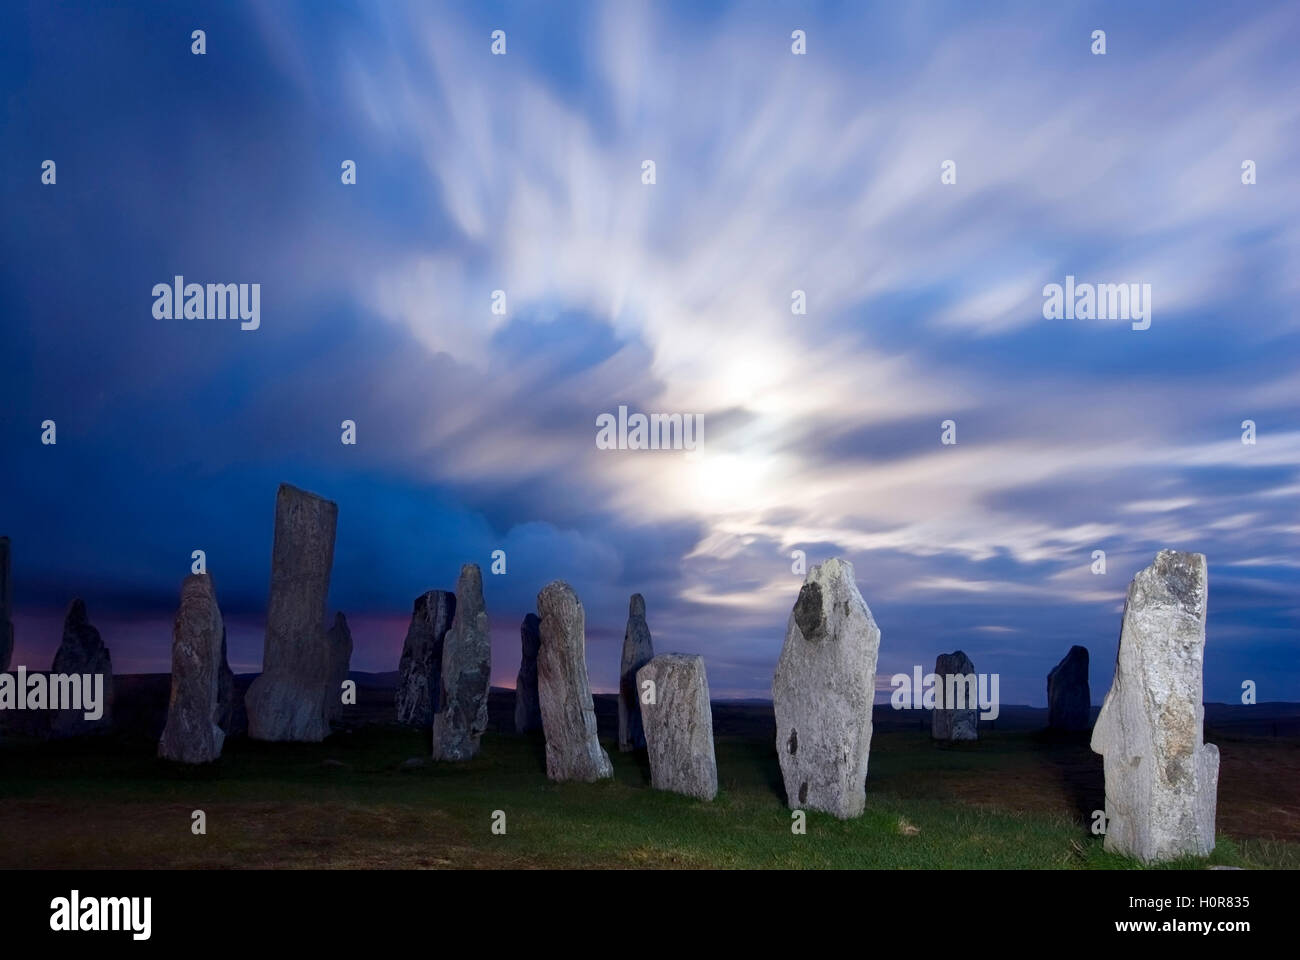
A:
<point x="82" y="652"/>
<point x="192" y="733"/>
<point x="956" y="713"/>
<point x="340" y="646"/>
<point x="637" y="652"/>
<point x="289" y="700"/>
<point x="679" y="726"/>
<point x="6" y="608"/>
<point x="461" y="717"/>
<point x="419" y="673"/>
<point x="573" y="751"/>
<point x="1069" y="699"/>
<point x="823" y="693"/>
<point x="1161" y="777"/>
<point x="528" y="708"/>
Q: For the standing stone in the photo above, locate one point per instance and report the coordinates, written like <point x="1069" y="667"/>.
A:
<point x="6" y="608"/>
<point x="288" y="701"/>
<point x="192" y="734"/>
<point x="637" y="651"/>
<point x="462" y="713"/>
<point x="528" y="709"/>
<point x="823" y="693"/>
<point x="573" y="751"/>
<point x="82" y="652"/>
<point x="679" y="726"/>
<point x="419" y="674"/>
<point x="1161" y="777"/>
<point x="1069" y="701"/>
<point x="956" y="713"/>
<point x="340" y="645"/>
<point x="226" y="705"/>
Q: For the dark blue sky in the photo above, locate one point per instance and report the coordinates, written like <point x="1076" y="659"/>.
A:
<point x="773" y="173"/>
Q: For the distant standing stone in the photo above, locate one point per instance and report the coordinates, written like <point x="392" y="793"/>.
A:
<point x="82" y="652"/>
<point x="340" y="646"/>
<point x="528" y="709"/>
<point x="192" y="734"/>
<point x="6" y="608"/>
<point x="573" y="752"/>
<point x="637" y="651"/>
<point x="289" y="700"/>
<point x="823" y="693"/>
<point x="956" y="713"/>
<point x="462" y="713"/>
<point x="679" y="726"/>
<point x="1069" y="701"/>
<point x="1161" y="777"/>
<point x="230" y="718"/>
<point x="419" y="674"/>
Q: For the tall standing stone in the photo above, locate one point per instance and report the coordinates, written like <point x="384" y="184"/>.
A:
<point x="637" y="652"/>
<point x="419" y="673"/>
<point x="82" y="653"/>
<point x="340" y="646"/>
<point x="289" y="700"/>
<point x="228" y="713"/>
<point x="823" y="693"/>
<point x="679" y="726"/>
<point x="956" y="713"/>
<point x="193" y="733"/>
<point x="1069" y="700"/>
<point x="573" y="751"/>
<point x="1161" y="777"/>
<point x="528" y="709"/>
<point x="6" y="608"/>
<point x="462" y="712"/>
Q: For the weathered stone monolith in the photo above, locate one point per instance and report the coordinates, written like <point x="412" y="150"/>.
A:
<point x="462" y="715"/>
<point x="637" y="652"/>
<point x="956" y="713"/>
<point x="528" y="709"/>
<point x="1161" y="777"/>
<point x="289" y="700"/>
<point x="230" y="717"/>
<point x="573" y="751"/>
<point x="6" y="608"/>
<point x="823" y="693"/>
<point x="419" y="674"/>
<point x="1069" y="701"/>
<point x="192" y="733"/>
<point x="340" y="648"/>
<point x="678" y="725"/>
<point x="82" y="653"/>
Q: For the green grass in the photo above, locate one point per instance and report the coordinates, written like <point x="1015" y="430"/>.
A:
<point x="112" y="804"/>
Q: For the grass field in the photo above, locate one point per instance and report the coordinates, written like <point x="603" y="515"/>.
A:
<point x="1010" y="801"/>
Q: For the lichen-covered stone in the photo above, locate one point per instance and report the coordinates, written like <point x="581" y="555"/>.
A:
<point x="573" y="751"/>
<point x="678" y="725"/>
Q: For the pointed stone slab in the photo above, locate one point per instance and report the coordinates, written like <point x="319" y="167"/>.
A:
<point x="1069" y="700"/>
<point x="193" y="733"/>
<point x="419" y="673"/>
<point x="82" y="652"/>
<point x="528" y="708"/>
<point x="289" y="700"/>
<point x="823" y="693"/>
<point x="462" y="714"/>
<point x="637" y="652"/>
<point x="340" y="648"/>
<point x="956" y="713"/>
<point x="1161" y="777"/>
<point x="573" y="751"/>
<point x="679" y="725"/>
